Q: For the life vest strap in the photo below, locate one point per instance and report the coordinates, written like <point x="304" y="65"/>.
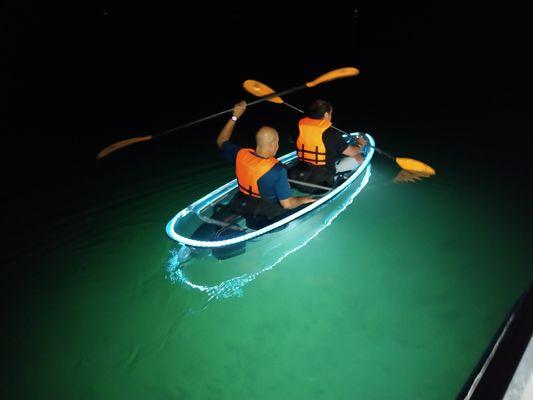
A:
<point x="248" y="191"/>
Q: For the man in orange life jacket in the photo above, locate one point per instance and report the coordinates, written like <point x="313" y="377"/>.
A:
<point x="322" y="151"/>
<point x="264" y="194"/>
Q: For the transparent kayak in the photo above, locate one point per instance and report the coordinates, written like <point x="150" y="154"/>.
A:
<point x="244" y="252"/>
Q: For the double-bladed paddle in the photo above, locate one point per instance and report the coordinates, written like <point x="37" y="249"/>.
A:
<point x="274" y="97"/>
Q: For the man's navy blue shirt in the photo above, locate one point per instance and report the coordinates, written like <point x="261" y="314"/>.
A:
<point x="273" y="185"/>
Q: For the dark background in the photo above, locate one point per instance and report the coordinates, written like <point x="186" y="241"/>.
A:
<point x="436" y="82"/>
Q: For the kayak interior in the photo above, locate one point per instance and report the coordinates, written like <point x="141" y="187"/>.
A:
<point x="207" y="223"/>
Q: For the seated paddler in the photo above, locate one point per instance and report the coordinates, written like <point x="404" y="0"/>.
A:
<point x="323" y="152"/>
<point x="264" y="194"/>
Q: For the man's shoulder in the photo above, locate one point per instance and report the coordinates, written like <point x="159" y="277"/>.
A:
<point x="229" y="150"/>
<point x="333" y="132"/>
<point x="229" y="144"/>
<point x="278" y="167"/>
<point x="333" y="135"/>
<point x="231" y="147"/>
<point x="278" y="170"/>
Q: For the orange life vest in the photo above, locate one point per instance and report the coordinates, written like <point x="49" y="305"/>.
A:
<point x="310" y="147"/>
<point x="249" y="168"/>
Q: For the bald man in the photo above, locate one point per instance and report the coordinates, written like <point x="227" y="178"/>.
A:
<point x="264" y="192"/>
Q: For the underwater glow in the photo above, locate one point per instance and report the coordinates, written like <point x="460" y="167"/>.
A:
<point x="234" y="286"/>
<point x="223" y="190"/>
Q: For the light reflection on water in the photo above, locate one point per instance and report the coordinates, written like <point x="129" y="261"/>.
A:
<point x="233" y="287"/>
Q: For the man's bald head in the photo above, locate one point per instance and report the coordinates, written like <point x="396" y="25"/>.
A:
<point x="267" y="141"/>
<point x="266" y="135"/>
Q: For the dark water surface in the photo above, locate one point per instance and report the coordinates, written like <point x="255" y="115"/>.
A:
<point x="397" y="299"/>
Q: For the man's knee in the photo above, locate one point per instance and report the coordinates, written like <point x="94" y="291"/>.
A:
<point x="346" y="164"/>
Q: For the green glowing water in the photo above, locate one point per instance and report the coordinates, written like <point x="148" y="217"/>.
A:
<point x="397" y="299"/>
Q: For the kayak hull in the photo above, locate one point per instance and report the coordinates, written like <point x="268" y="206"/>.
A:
<point x="247" y="254"/>
<point x="183" y="228"/>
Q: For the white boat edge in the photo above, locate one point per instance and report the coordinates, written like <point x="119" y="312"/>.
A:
<point x="223" y="190"/>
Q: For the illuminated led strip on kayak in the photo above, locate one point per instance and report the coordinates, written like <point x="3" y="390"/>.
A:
<point x="223" y="190"/>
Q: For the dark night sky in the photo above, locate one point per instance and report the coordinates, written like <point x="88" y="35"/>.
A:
<point x="83" y="76"/>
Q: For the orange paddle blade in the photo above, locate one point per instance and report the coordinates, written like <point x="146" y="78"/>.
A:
<point x="414" y="165"/>
<point x="121" y="144"/>
<point x="332" y="75"/>
<point x="260" y="90"/>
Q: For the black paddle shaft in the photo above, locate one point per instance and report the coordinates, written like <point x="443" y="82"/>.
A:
<point x="262" y="99"/>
